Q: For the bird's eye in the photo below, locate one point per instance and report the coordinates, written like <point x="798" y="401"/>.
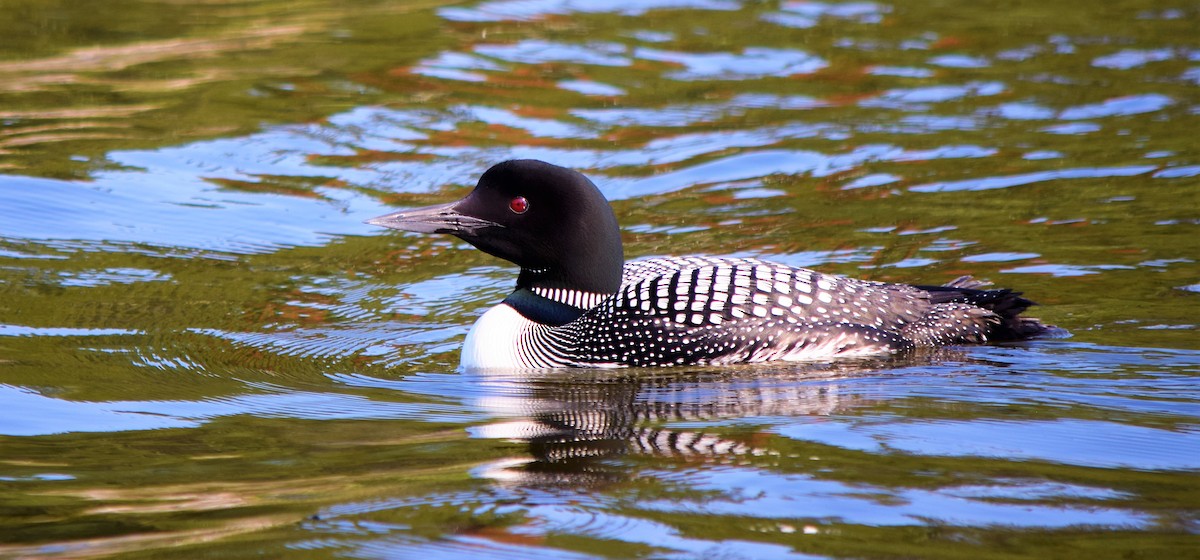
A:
<point x="518" y="205"/>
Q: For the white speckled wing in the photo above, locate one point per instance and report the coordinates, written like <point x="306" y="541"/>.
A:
<point x="702" y="290"/>
<point x="723" y="310"/>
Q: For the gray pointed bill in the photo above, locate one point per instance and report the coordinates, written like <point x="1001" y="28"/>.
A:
<point x="441" y="218"/>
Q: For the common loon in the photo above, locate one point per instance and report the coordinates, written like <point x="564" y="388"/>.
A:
<point x="577" y="302"/>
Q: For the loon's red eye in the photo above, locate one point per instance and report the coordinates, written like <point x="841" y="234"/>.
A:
<point x="518" y="205"/>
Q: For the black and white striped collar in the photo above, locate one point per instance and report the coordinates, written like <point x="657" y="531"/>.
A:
<point x="552" y="306"/>
<point x="574" y="298"/>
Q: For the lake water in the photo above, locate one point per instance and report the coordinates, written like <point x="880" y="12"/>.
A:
<point x="204" y="352"/>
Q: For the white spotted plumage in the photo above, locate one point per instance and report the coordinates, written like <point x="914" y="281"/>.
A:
<point x="676" y="310"/>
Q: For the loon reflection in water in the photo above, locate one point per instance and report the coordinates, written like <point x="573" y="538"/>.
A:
<point x="576" y="424"/>
<point x="578" y="303"/>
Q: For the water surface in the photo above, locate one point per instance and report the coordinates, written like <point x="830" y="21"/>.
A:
<point x="205" y="352"/>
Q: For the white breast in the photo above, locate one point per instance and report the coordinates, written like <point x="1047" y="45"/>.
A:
<point x="495" y="339"/>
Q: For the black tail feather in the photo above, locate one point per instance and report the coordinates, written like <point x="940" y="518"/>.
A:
<point x="1007" y="304"/>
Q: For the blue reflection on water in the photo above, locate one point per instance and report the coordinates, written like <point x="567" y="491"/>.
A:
<point x="1076" y="442"/>
<point x="29" y="413"/>
<point x="501" y="10"/>
<point x="762" y="493"/>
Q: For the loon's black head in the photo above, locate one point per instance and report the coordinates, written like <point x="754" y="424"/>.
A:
<point x="549" y="220"/>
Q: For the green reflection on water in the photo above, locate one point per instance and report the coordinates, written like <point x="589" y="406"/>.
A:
<point x="257" y="403"/>
<point x="82" y="79"/>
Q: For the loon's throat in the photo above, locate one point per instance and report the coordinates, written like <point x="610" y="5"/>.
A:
<point x="552" y="306"/>
<point x="586" y="268"/>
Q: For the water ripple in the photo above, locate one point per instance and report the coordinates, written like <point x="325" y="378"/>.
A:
<point x="989" y="183"/>
<point x="758" y="493"/>
<point x="36" y="414"/>
<point x="502" y="10"/>
<point x="536" y="51"/>
<point x="1072" y="442"/>
<point x="751" y="63"/>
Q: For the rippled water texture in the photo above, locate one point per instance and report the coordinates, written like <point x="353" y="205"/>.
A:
<point x="204" y="352"/>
